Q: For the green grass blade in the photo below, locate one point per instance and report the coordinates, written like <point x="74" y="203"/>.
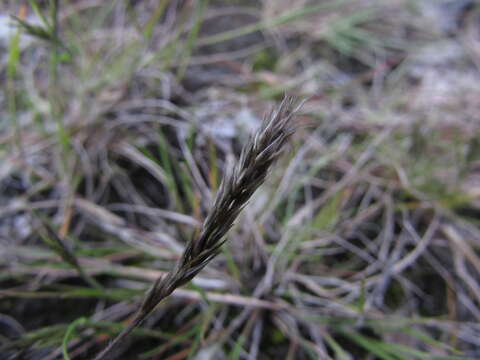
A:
<point x="373" y="346"/>
<point x="285" y="18"/>
<point x="192" y="38"/>
<point x="69" y="334"/>
<point x="155" y="18"/>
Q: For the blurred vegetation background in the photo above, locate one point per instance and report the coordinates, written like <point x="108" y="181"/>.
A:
<point x="118" y="119"/>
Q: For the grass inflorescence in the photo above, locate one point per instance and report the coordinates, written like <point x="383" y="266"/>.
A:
<point x="236" y="189"/>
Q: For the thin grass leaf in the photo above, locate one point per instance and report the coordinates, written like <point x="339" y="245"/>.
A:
<point x="69" y="334"/>
<point x="371" y="345"/>
<point x="38" y="12"/>
<point x="157" y="14"/>
<point x="192" y="37"/>
<point x="285" y="18"/>
<point x="12" y="64"/>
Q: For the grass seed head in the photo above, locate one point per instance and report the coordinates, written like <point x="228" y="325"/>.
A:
<point x="236" y="189"/>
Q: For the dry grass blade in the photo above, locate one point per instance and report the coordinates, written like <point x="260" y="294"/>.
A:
<point x="237" y="187"/>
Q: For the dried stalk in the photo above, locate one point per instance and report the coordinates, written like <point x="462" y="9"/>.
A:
<point x="236" y="189"/>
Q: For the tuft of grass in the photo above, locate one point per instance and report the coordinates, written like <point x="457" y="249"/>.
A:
<point x="364" y="241"/>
